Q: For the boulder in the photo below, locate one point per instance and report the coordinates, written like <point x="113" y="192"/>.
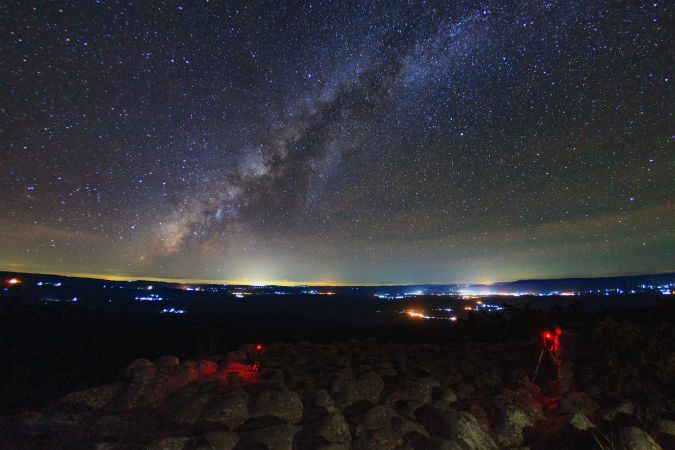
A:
<point x="624" y="407"/>
<point x="302" y="382"/>
<point x="448" y="396"/>
<point x="386" y="372"/>
<point x="235" y="378"/>
<point x="581" y="422"/>
<point x="370" y="386"/>
<point x="318" y="404"/>
<point x="346" y="390"/>
<point x="236" y="357"/>
<point x="578" y="402"/>
<point x="436" y="422"/>
<point x="185" y="373"/>
<point x="157" y="389"/>
<point x="633" y="438"/>
<point x="420" y="389"/>
<point x="206" y="367"/>
<point x="285" y="405"/>
<point x="230" y="410"/>
<point x="465" y="391"/>
<point x="664" y="433"/>
<point x="509" y="406"/>
<point x="188" y="410"/>
<point x="334" y="447"/>
<point x="131" y="395"/>
<point x="167" y="363"/>
<point x="407" y="408"/>
<point x="470" y="435"/>
<point x="343" y="387"/>
<point x="417" y="441"/>
<point x="481" y="416"/>
<point x="212" y="386"/>
<point x="509" y="433"/>
<point x="95" y="398"/>
<point x="169" y="443"/>
<point x="488" y="381"/>
<point x="666" y="427"/>
<point x="272" y="376"/>
<point x="321" y="399"/>
<point x="278" y="437"/>
<point x="111" y="427"/>
<point x="404" y="426"/>
<point x="140" y="371"/>
<point x="67" y="424"/>
<point x="332" y="428"/>
<point x="221" y="440"/>
<point x="375" y="418"/>
<point x="382" y="439"/>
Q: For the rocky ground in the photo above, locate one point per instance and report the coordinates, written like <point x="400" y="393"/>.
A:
<point x="357" y="394"/>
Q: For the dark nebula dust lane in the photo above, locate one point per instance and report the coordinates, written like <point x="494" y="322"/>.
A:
<point x="343" y="142"/>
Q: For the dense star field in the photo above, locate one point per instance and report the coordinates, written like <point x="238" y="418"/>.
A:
<point x="344" y="142"/>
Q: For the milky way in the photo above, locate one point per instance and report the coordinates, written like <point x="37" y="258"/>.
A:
<point x="349" y="142"/>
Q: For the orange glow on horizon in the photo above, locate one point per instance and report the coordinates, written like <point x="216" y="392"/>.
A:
<point x="186" y="282"/>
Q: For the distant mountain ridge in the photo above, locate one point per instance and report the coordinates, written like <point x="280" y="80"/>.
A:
<point x="581" y="284"/>
<point x="534" y="285"/>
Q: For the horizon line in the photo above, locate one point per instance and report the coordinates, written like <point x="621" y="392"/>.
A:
<point x="289" y="283"/>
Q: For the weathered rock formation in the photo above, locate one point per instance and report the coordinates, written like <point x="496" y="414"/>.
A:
<point x="360" y="395"/>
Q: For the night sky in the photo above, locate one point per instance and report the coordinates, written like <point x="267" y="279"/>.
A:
<point x="341" y="142"/>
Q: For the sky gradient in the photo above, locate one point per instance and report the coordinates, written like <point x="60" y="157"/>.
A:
<point x="337" y="142"/>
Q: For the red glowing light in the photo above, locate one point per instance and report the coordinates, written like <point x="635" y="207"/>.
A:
<point x="549" y="340"/>
<point x="259" y="347"/>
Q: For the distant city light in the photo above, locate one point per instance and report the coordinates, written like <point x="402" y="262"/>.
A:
<point x="48" y="283"/>
<point x="172" y="311"/>
<point x="60" y="300"/>
<point x="149" y="298"/>
<point x="420" y="315"/>
<point x="13" y="281"/>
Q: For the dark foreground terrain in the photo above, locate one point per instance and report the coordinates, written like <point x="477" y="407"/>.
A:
<point x="324" y="383"/>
